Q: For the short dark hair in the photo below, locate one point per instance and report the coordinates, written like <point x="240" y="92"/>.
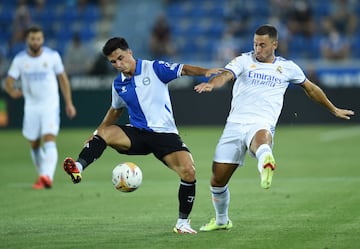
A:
<point x="267" y="29"/>
<point x="113" y="44"/>
<point x="33" y="29"/>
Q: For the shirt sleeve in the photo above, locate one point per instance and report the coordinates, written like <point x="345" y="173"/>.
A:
<point x="167" y="71"/>
<point x="14" y="70"/>
<point x="297" y="75"/>
<point x="58" y="65"/>
<point x="236" y="66"/>
<point x="116" y="101"/>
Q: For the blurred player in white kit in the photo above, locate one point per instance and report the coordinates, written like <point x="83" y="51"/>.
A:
<point x="38" y="68"/>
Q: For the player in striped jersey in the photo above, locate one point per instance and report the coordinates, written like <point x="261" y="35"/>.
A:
<point x="142" y="88"/>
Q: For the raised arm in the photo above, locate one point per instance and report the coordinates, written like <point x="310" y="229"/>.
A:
<point x="215" y="82"/>
<point x="317" y="94"/>
<point x="190" y="70"/>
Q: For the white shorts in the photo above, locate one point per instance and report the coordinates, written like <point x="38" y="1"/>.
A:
<point x="235" y="141"/>
<point x="40" y="121"/>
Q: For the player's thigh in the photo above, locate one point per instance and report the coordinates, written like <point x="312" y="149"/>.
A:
<point x="50" y="123"/>
<point x="259" y="134"/>
<point x="115" y="137"/>
<point x="31" y="128"/>
<point x="179" y="159"/>
<point x="231" y="148"/>
<point x="182" y="163"/>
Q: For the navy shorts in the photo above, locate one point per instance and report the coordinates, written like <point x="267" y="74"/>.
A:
<point x="144" y="142"/>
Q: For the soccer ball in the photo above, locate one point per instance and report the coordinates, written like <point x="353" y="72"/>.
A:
<point x="126" y="177"/>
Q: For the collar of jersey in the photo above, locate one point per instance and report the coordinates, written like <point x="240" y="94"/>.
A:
<point x="137" y="71"/>
<point x="254" y="57"/>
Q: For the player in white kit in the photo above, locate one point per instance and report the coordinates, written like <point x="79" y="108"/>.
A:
<point x="38" y="67"/>
<point x="261" y="79"/>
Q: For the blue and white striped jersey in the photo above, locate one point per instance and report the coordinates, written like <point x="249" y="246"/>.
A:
<point x="146" y="95"/>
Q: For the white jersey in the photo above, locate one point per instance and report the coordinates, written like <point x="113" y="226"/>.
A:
<point x="259" y="89"/>
<point x="146" y="95"/>
<point x="38" y="77"/>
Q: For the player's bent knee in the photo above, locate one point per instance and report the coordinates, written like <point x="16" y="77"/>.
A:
<point x="218" y="182"/>
<point x="187" y="173"/>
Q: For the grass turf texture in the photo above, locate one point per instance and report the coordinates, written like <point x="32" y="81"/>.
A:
<point x="313" y="202"/>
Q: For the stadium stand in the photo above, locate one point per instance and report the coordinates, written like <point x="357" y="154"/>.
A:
<point x="196" y="25"/>
<point x="60" y="20"/>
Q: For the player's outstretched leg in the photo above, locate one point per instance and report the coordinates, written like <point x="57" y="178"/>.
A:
<point x="72" y="170"/>
<point x="267" y="171"/>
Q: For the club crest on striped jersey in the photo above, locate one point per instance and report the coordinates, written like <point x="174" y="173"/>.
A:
<point x="146" y="81"/>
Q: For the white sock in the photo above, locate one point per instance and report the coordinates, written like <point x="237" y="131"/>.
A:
<point x="261" y="153"/>
<point x="182" y="221"/>
<point x="79" y="166"/>
<point x="36" y="157"/>
<point x="221" y="201"/>
<point x="50" y="159"/>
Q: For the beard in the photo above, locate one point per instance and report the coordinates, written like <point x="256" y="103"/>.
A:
<point x="34" y="49"/>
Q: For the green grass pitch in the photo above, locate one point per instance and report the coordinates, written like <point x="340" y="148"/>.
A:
<point x="314" y="201"/>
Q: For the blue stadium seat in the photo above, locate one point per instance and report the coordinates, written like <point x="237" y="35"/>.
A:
<point x="314" y="47"/>
<point x="47" y="16"/>
<point x="5" y="35"/>
<point x="320" y="8"/>
<point x="69" y="15"/>
<point x="355" y="51"/>
<point x="61" y="46"/>
<point x="63" y="34"/>
<point x="16" y="48"/>
<point x="87" y="33"/>
<point x="90" y="14"/>
<point x="173" y="13"/>
<point x="6" y="17"/>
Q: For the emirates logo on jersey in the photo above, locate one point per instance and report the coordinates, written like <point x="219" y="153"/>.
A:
<point x="263" y="79"/>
